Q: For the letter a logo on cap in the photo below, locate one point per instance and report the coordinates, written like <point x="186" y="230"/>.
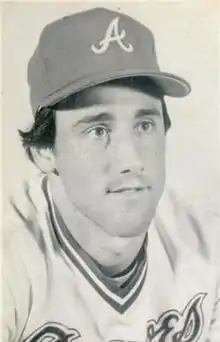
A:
<point x="112" y="35"/>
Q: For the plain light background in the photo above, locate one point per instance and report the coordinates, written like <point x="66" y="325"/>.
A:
<point x="186" y="34"/>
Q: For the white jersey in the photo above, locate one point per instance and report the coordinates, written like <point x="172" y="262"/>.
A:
<point x="54" y="292"/>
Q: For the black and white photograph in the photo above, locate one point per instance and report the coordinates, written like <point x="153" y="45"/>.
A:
<point x="111" y="171"/>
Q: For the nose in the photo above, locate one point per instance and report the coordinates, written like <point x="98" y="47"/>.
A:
<point x="124" y="157"/>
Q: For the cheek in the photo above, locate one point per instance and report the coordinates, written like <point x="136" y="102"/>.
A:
<point x="153" y="152"/>
<point x="153" y="158"/>
<point x="77" y="159"/>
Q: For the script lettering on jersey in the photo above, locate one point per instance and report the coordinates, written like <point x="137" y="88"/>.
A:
<point x="186" y="326"/>
<point x="53" y="332"/>
<point x="112" y="35"/>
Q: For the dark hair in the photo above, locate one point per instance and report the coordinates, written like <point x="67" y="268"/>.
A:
<point x="43" y="131"/>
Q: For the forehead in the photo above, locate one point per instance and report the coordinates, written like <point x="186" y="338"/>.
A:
<point x="117" y="94"/>
<point x="111" y="94"/>
<point x="109" y="98"/>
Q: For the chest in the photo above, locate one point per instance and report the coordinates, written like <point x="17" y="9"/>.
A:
<point x="168" y="308"/>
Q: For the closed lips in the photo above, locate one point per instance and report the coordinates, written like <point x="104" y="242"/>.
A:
<point x="126" y="188"/>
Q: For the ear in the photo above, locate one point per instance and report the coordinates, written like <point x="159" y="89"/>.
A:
<point x="44" y="159"/>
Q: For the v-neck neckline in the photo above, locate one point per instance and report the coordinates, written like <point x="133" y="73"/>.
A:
<point x="120" y="298"/>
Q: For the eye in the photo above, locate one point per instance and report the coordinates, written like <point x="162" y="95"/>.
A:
<point x="98" y="132"/>
<point x="144" y="127"/>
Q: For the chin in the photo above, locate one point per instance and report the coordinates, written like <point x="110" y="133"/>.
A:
<point x="128" y="226"/>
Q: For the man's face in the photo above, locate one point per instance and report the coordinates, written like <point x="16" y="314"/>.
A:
<point x="110" y="156"/>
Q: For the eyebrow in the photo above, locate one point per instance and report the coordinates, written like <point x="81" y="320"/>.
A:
<point x="95" y="118"/>
<point x="147" y="112"/>
<point x="106" y="117"/>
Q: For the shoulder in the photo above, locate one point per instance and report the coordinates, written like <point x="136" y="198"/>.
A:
<point x="26" y="239"/>
<point x="24" y="254"/>
<point x="23" y="234"/>
<point x="27" y="204"/>
<point x="196" y="228"/>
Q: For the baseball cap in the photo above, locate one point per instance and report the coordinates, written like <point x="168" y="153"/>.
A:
<point x="92" y="47"/>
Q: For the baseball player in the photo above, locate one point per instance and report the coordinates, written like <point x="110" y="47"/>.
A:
<point x="92" y="252"/>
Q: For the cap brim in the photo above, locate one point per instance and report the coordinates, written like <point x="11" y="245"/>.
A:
<point x="170" y="84"/>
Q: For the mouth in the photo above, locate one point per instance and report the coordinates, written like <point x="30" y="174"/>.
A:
<point x="128" y="189"/>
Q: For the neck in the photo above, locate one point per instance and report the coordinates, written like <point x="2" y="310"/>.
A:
<point x="112" y="253"/>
